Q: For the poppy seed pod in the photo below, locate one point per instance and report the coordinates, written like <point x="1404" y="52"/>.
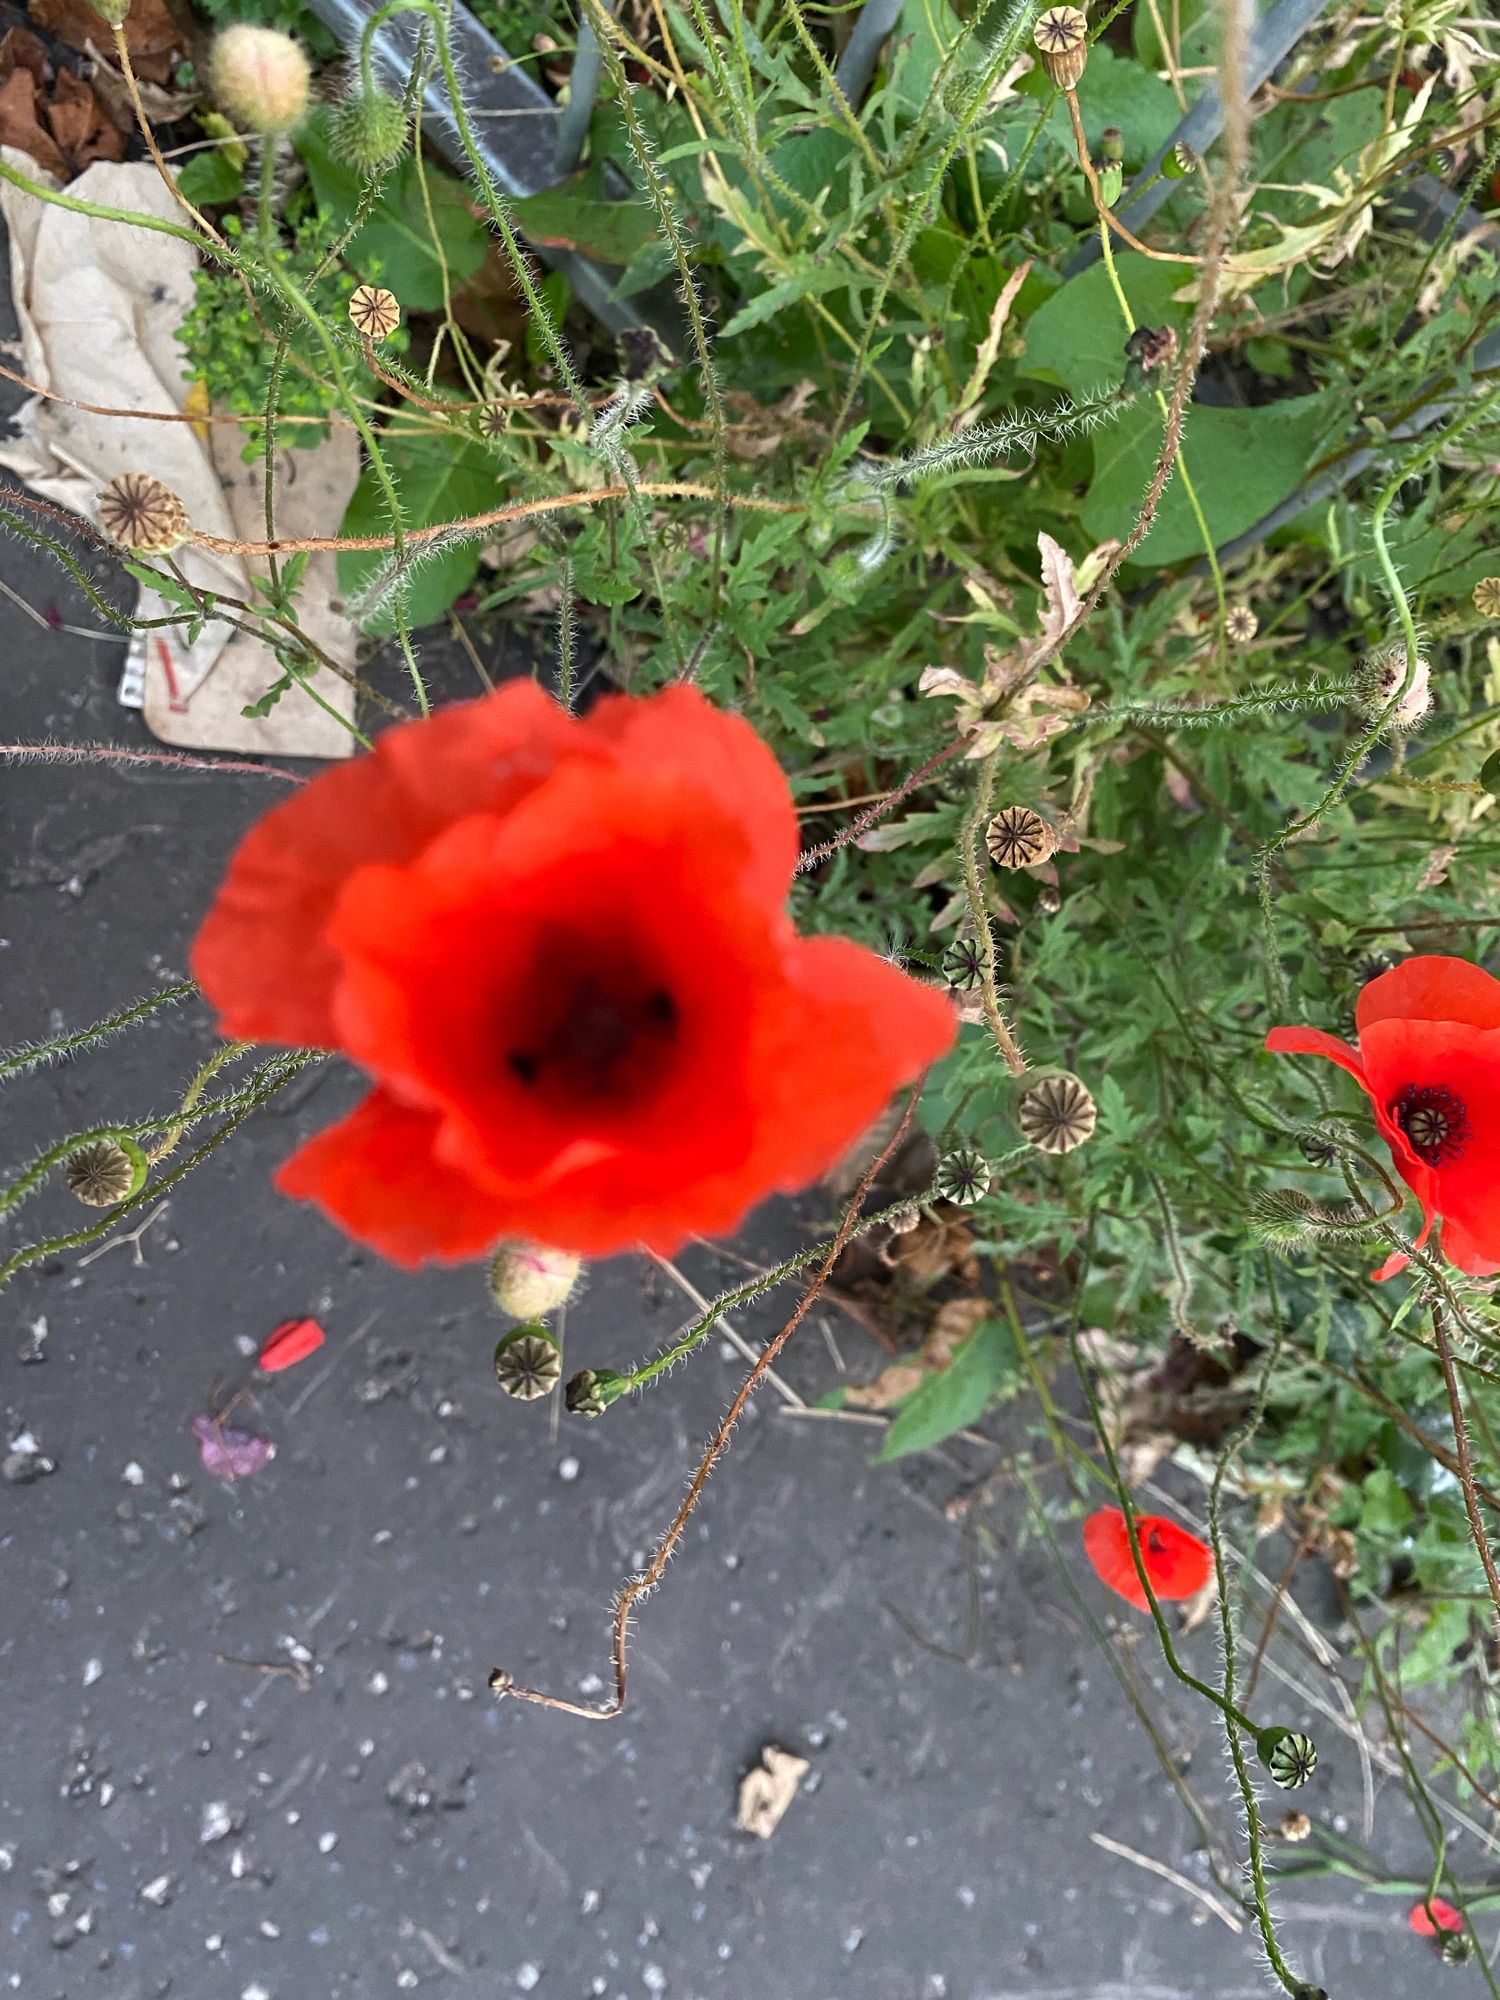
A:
<point x="261" y="77"/>
<point x="1017" y="837"/>
<point x="105" y="1172"/>
<point x="1055" y="1111"/>
<point x="963" y="964"/>
<point x="374" y="312"/>
<point x="1294" y="1826"/>
<point x="1457" y="1948"/>
<point x="1289" y="1756"/>
<point x="1061" y="36"/>
<point x="142" y="514"/>
<point x="962" y="1178"/>
<point x="526" y="1280"/>
<point x="528" y="1363"/>
<point x="1487" y="597"/>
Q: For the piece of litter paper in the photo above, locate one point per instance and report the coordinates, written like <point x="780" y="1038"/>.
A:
<point x="228" y="1453"/>
<point x="767" y="1791"/>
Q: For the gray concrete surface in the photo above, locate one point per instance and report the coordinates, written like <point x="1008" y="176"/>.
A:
<point x="247" y="1746"/>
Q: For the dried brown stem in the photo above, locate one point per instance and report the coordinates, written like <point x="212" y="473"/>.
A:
<point x="811" y="856"/>
<point x="641" y="1586"/>
<point x="1465" y="1463"/>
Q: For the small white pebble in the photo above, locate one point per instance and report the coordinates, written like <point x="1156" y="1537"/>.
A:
<point x="268" y="1929"/>
<point x="214" y="1942"/>
<point x="158" y="1891"/>
<point x="216" y="1823"/>
<point x="106" y="1793"/>
<point x="569" y="1469"/>
<point x="377" y="1683"/>
<point x="92" y="1671"/>
<point x="255" y="1991"/>
<point x="592" y="1901"/>
<point x="327" y="1842"/>
<point x="527" y="1976"/>
<point x="7" y="1860"/>
<point x="57" y="1903"/>
<point x="653" y="1979"/>
<point x="134" y="1475"/>
<point x="406" y="1979"/>
<point x="367" y="1746"/>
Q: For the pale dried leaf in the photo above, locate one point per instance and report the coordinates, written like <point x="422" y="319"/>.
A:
<point x="1060" y="588"/>
<point x="767" y="1791"/>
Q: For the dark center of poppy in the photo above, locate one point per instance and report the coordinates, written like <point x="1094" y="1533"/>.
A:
<point x="1155" y="1546"/>
<point x="600" y="1040"/>
<point x="1434" y="1121"/>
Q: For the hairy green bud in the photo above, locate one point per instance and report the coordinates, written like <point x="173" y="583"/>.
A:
<point x="368" y="131"/>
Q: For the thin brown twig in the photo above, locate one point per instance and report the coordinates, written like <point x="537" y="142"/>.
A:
<point x="501" y="1683"/>
<point x="811" y="856"/>
<point x="1465" y="1464"/>
<point x="127" y="71"/>
<point x="107" y="753"/>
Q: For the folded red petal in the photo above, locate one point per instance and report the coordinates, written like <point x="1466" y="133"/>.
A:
<point x="1430" y="987"/>
<point x="1178" y="1563"/>
<point x="262" y="956"/>
<point x="1317" y="1042"/>
<point x="375" y="1173"/>
<point x="1435" y="1915"/>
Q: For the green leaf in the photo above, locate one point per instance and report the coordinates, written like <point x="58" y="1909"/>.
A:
<point x="953" y="1397"/>
<point x="1242" y="463"/>
<point x="806" y="283"/>
<point x="1078" y="336"/>
<point x="577" y="214"/>
<point x="210" y="176"/>
<point x="437" y="482"/>
<point x="395" y="247"/>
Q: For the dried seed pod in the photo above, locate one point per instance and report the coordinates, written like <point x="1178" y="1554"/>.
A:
<point x="1240" y="624"/>
<point x="1017" y="837"/>
<point x="373" y="311"/>
<point x="962" y="1178"/>
<point x="104" y="1173"/>
<point x="528" y="1363"/>
<point x="1062" y="39"/>
<point x="493" y="419"/>
<point x="501" y="1682"/>
<point x="140" y="513"/>
<point x="1056" y="1114"/>
<point x="1381" y="673"/>
<point x="905" y="1220"/>
<point x="1289" y="1756"/>
<point x="963" y="964"/>
<point x="1487" y="597"/>
<point x="1048" y="900"/>
<point x="1294" y="1825"/>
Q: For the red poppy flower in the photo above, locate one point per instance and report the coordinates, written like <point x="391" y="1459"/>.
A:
<point x="1428" y="1918"/>
<point x="1429" y="1061"/>
<point x="1178" y="1564"/>
<point x="561" y="950"/>
<point x="285" y="1345"/>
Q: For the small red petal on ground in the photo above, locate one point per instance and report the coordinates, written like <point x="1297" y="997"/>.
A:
<point x="1428" y="1918"/>
<point x="290" y="1343"/>
<point x="230" y="1454"/>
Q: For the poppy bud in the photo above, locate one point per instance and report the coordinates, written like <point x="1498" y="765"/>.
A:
<point x="1378" y="677"/>
<point x="260" y="76"/>
<point x="1062" y="39"/>
<point x="1281" y="1218"/>
<point x="1111" y="147"/>
<point x="288" y="1344"/>
<point x="962" y="1178"/>
<point x="106" y="1172"/>
<point x="528" y="1363"/>
<point x="112" y="11"/>
<point x="368" y="130"/>
<point x="1289" y="1756"/>
<point x="1055" y="1112"/>
<point x="592" y="1390"/>
<point x="527" y="1280"/>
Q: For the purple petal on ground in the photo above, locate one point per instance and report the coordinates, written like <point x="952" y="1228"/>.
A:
<point x="230" y="1454"/>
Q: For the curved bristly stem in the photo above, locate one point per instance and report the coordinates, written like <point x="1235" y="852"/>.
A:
<point x="994" y="1014"/>
<point x="640" y="1586"/>
<point x="1477" y="1533"/>
<point x="31" y="1054"/>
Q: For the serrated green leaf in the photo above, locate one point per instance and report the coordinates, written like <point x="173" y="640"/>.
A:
<point x="953" y="1397"/>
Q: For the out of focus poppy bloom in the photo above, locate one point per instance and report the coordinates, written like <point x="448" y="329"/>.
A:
<point x="1178" y="1564"/>
<point x="1428" y="1918"/>
<point x="284" y="1346"/>
<point x="561" y="950"/>
<point x="1429" y="1061"/>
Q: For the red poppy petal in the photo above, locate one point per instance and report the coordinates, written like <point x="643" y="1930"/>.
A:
<point x="1396" y="1262"/>
<point x="261" y="955"/>
<point x="1316" y="1042"/>
<point x="1479" y="1255"/>
<point x="678" y="739"/>
<point x="1435" y="1915"/>
<point x="288" y="1344"/>
<point x="1178" y="1563"/>
<point x="1464" y="1060"/>
<point x="1106" y="1543"/>
<point x="376" y="1175"/>
<point x="1431" y="988"/>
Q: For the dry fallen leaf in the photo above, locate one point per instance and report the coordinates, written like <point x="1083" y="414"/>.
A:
<point x="767" y="1791"/>
<point x="151" y="35"/>
<point x="952" y="1323"/>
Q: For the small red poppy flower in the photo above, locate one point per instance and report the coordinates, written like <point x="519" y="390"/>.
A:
<point x="289" y="1343"/>
<point x="561" y="950"/>
<point x="1428" y="1918"/>
<point x="1429" y="1061"/>
<point x="1178" y="1564"/>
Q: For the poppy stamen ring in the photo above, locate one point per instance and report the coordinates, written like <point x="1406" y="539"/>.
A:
<point x="1434" y="1121"/>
